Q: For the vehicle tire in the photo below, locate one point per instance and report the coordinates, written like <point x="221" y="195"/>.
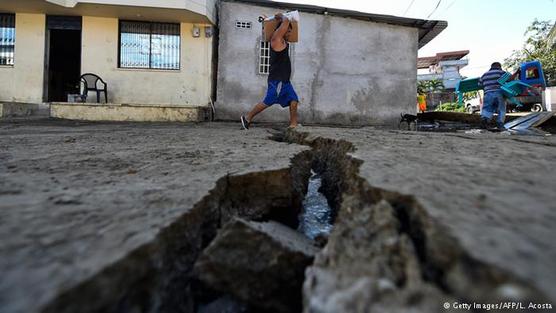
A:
<point x="469" y="108"/>
<point x="537" y="107"/>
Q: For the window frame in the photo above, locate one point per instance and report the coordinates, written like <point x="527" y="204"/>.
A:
<point x="150" y="68"/>
<point x="14" y="38"/>
<point x="532" y="73"/>
<point x="260" y="57"/>
<point x="264" y="45"/>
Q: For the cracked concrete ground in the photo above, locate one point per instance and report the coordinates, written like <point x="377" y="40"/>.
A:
<point x="494" y="193"/>
<point x="77" y="197"/>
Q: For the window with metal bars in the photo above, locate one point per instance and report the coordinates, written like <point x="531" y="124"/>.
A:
<point x="7" y="39"/>
<point x="264" y="58"/>
<point x="149" y="45"/>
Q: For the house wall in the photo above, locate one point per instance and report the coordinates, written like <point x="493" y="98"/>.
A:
<point x="191" y="85"/>
<point x="346" y="71"/>
<point x="188" y="86"/>
<point x="23" y="82"/>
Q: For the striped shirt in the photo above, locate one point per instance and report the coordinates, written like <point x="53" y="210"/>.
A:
<point x="489" y="80"/>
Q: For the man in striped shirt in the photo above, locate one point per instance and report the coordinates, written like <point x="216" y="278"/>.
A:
<point x="494" y="99"/>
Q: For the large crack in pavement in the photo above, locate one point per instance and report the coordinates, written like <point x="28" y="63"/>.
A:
<point x="157" y="277"/>
<point x="385" y="253"/>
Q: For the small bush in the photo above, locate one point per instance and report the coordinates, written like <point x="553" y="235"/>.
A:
<point x="450" y="107"/>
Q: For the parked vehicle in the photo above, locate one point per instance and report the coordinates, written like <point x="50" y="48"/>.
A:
<point x="523" y="90"/>
<point x="526" y="98"/>
<point x="474" y="105"/>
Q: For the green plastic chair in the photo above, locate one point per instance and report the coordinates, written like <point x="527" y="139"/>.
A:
<point x="466" y="85"/>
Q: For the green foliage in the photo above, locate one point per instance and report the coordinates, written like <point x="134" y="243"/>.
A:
<point x="426" y="86"/>
<point x="467" y="96"/>
<point x="450" y="107"/>
<point x="536" y="47"/>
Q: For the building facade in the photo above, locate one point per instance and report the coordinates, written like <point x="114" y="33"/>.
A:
<point x="349" y="68"/>
<point x="151" y="53"/>
<point x="444" y="67"/>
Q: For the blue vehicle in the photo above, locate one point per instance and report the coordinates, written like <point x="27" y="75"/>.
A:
<point x="527" y="97"/>
<point x="523" y="89"/>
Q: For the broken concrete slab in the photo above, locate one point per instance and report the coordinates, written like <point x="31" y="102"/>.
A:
<point x="262" y="264"/>
<point x="369" y="266"/>
<point x="109" y="216"/>
<point x="465" y="192"/>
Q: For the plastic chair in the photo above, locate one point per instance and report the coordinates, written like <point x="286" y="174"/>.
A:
<point x="93" y="82"/>
<point x="504" y="78"/>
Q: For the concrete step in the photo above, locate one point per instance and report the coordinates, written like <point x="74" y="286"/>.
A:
<point x="18" y="110"/>
<point x="129" y="112"/>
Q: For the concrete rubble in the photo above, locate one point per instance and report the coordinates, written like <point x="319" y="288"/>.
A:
<point x="112" y="217"/>
<point x="262" y="264"/>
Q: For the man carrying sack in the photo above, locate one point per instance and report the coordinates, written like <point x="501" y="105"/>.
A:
<point x="280" y="89"/>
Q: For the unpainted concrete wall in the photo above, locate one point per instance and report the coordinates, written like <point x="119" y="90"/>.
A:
<point x="23" y="82"/>
<point x="346" y="71"/>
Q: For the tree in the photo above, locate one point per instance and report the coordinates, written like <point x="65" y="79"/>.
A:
<point x="428" y="86"/>
<point x="536" y="47"/>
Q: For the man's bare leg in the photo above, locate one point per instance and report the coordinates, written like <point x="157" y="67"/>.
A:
<point x="293" y="114"/>
<point x="259" y="107"/>
<point x="246" y="120"/>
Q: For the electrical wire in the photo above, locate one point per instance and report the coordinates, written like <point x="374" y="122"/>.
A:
<point x="408" y="7"/>
<point x="435" y="8"/>
<point x="450" y="5"/>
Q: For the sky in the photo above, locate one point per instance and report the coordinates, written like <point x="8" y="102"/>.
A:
<point x="489" y="29"/>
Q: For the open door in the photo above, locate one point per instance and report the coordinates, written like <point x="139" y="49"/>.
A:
<point x="63" y="57"/>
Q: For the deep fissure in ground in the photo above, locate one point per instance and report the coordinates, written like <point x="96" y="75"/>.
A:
<point x="159" y="277"/>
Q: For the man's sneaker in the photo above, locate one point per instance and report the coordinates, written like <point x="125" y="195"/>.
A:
<point x="244" y="122"/>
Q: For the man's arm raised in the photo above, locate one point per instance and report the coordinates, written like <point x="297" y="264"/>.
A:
<point x="277" y="41"/>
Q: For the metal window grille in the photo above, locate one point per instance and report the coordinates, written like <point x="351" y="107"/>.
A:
<point x="264" y="58"/>
<point x="149" y="45"/>
<point x="240" y="24"/>
<point x="7" y="39"/>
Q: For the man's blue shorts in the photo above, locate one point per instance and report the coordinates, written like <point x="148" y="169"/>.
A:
<point x="280" y="92"/>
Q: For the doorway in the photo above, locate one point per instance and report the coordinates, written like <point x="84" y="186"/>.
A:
<point x="63" y="57"/>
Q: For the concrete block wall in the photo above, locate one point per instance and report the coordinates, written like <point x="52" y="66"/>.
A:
<point x="346" y="71"/>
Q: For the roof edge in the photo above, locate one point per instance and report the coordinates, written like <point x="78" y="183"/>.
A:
<point x="428" y="29"/>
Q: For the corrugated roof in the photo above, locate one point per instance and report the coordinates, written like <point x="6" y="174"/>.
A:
<point x="428" y="29"/>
